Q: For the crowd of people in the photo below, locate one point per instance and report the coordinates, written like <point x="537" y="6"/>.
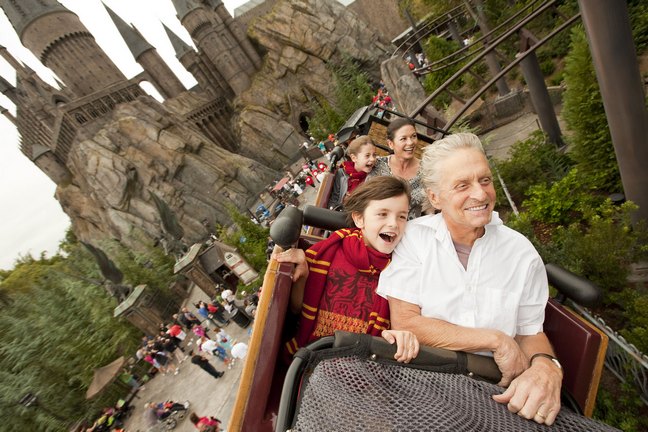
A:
<point x="199" y="336"/>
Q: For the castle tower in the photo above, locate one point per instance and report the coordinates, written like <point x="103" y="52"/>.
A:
<point x="236" y="31"/>
<point x="214" y="118"/>
<point x="211" y="36"/>
<point x="62" y="43"/>
<point x="208" y="77"/>
<point x="36" y="120"/>
<point x="161" y="76"/>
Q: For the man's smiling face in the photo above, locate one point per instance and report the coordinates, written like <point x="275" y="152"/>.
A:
<point x="466" y="195"/>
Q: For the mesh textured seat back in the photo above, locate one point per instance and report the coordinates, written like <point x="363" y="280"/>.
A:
<point x="354" y="394"/>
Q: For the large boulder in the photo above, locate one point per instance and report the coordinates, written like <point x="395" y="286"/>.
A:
<point x="405" y="88"/>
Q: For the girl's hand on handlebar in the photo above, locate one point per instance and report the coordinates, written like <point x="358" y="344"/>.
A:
<point x="297" y="257"/>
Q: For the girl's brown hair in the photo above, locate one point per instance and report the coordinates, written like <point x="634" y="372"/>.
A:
<point x="355" y="145"/>
<point x="374" y="189"/>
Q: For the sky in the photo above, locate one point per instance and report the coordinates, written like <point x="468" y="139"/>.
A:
<point x="31" y="220"/>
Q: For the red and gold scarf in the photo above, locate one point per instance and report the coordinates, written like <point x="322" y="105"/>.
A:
<point x="326" y="297"/>
<point x="355" y="177"/>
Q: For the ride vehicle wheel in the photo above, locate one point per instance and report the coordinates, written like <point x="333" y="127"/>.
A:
<point x="170" y="424"/>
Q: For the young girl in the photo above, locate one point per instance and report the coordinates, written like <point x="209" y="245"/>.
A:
<point x="335" y="280"/>
<point x="352" y="173"/>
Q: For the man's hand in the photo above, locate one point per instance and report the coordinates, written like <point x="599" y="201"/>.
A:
<point x="406" y="343"/>
<point x="510" y="359"/>
<point x="535" y="394"/>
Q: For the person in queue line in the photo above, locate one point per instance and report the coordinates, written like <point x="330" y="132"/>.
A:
<point x="351" y="174"/>
<point x="334" y="281"/>
<point x="461" y="280"/>
<point x="403" y="140"/>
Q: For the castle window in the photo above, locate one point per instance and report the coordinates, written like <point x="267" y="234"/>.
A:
<point x="80" y="118"/>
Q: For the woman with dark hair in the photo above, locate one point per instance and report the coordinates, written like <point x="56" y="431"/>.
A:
<point x="403" y="140"/>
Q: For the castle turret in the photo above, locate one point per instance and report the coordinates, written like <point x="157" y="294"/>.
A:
<point x="211" y="36"/>
<point x="8" y="90"/>
<point x="10" y="59"/>
<point x="208" y="77"/>
<point x="161" y="76"/>
<point x="5" y="112"/>
<point x="62" y="43"/>
<point x="237" y="32"/>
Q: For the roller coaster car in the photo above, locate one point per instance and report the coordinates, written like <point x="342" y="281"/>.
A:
<point x="579" y="345"/>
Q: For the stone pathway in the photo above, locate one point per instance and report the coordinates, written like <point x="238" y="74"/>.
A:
<point x="208" y="396"/>
<point x="498" y="141"/>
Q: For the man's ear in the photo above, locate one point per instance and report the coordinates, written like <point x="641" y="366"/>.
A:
<point x="358" y="219"/>
<point x="434" y="199"/>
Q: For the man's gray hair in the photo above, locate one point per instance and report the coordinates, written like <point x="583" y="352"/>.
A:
<point x="434" y="154"/>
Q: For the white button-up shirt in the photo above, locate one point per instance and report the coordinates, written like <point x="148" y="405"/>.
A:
<point x="504" y="286"/>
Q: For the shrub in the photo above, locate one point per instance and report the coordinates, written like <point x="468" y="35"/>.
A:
<point x="547" y="67"/>
<point x="532" y="161"/>
<point x="249" y="238"/>
<point x="568" y="200"/>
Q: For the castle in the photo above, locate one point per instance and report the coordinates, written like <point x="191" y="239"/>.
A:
<point x="48" y="119"/>
<point x="108" y="145"/>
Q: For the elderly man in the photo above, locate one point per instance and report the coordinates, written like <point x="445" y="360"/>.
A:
<point x="461" y="280"/>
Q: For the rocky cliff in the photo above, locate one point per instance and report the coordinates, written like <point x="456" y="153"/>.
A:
<point x="142" y="147"/>
<point x="301" y="38"/>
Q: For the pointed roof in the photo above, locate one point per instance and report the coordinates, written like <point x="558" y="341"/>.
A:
<point x="133" y="38"/>
<point x="22" y="13"/>
<point x="183" y="7"/>
<point x="180" y="47"/>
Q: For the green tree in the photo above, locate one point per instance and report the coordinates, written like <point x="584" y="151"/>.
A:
<point x="56" y="330"/>
<point x="351" y="91"/>
<point x="583" y="111"/>
<point x="437" y="48"/>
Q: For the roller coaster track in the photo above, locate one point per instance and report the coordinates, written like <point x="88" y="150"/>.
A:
<point x="488" y="49"/>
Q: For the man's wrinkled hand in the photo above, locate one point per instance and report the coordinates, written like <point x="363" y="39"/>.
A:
<point x="535" y="394"/>
<point x="510" y="359"/>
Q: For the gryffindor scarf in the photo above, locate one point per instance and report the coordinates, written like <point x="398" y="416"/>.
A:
<point x="340" y="292"/>
<point x="355" y="177"/>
